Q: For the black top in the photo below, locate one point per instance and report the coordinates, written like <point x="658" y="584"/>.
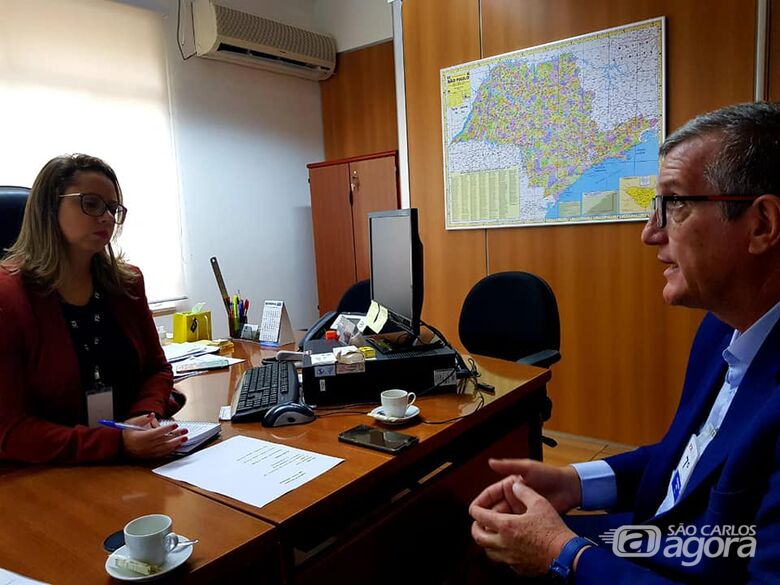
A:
<point x="106" y="356"/>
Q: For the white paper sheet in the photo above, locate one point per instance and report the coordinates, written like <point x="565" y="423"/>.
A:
<point x="250" y="470"/>
<point x="9" y="578"/>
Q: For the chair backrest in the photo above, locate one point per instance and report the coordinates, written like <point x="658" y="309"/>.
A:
<point x="510" y="315"/>
<point x="12" y="201"/>
<point x="356" y="299"/>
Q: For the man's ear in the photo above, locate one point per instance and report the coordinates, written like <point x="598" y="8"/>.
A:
<point x="765" y="230"/>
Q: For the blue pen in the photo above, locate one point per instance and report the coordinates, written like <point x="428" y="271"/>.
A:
<point x="122" y="426"/>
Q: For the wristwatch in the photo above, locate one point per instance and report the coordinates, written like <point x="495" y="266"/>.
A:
<point x="562" y="568"/>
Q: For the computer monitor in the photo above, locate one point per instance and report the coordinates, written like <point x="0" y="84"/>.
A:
<point x="397" y="266"/>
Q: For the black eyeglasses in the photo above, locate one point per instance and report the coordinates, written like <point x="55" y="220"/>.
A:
<point x="95" y="206"/>
<point x="661" y="203"/>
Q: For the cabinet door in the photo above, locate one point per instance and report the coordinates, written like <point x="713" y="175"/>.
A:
<point x="374" y="188"/>
<point x="331" y="216"/>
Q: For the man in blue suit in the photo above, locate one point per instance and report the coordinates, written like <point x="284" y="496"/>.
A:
<point x="703" y="504"/>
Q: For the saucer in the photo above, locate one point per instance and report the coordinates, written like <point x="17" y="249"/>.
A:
<point x="174" y="559"/>
<point x="379" y="414"/>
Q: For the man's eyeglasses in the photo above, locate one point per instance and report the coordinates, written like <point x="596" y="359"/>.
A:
<point x="95" y="206"/>
<point x="661" y="203"/>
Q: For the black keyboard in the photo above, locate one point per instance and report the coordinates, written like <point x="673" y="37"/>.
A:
<point x="260" y="389"/>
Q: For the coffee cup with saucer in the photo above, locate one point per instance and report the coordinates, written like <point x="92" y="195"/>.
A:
<point x="175" y="558"/>
<point x="397" y="407"/>
<point x="412" y="411"/>
<point x="150" y="545"/>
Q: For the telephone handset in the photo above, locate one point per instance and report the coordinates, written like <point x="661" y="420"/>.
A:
<point x="318" y="329"/>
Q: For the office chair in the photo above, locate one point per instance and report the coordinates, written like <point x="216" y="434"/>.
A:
<point x="512" y="316"/>
<point x="12" y="201"/>
<point x="356" y="299"/>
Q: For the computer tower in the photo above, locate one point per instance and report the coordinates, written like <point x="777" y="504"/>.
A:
<point x="430" y="371"/>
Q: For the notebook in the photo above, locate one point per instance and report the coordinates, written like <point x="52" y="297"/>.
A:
<point x="175" y="352"/>
<point x="199" y="433"/>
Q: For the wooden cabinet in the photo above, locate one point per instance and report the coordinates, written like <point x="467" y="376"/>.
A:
<point x="343" y="192"/>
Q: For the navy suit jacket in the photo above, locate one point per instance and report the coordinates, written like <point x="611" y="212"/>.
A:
<point x="735" y="483"/>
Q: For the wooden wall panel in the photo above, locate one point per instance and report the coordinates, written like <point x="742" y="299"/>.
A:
<point x="438" y="33"/>
<point x="624" y="351"/>
<point x="358" y="104"/>
<point x="773" y="52"/>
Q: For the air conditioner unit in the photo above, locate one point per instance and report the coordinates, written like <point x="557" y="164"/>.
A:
<point x="246" y="39"/>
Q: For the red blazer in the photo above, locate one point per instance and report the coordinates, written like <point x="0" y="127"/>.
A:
<point x="40" y="381"/>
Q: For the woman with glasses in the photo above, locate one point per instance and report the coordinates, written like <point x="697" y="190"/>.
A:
<point x="77" y="339"/>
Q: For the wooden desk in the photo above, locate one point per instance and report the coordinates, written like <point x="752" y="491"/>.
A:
<point x="54" y="521"/>
<point x="340" y="523"/>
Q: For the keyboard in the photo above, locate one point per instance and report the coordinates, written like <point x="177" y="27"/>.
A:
<point x="260" y="389"/>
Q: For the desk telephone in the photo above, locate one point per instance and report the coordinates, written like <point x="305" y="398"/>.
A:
<point x="318" y="329"/>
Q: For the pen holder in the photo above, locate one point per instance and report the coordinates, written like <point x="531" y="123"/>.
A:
<point x="235" y="324"/>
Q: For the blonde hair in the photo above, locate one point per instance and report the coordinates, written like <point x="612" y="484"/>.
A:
<point x="39" y="252"/>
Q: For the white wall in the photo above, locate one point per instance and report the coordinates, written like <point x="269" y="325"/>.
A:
<point x="243" y="139"/>
<point x="354" y="23"/>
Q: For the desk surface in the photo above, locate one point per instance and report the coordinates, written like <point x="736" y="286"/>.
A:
<point x="54" y="521"/>
<point x="56" y="518"/>
<point x="363" y="469"/>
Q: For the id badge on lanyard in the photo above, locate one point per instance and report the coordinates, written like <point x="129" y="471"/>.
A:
<point x="100" y="402"/>
<point x="683" y="472"/>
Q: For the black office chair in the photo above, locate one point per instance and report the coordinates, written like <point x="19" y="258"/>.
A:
<point x="12" y="201"/>
<point x="357" y="298"/>
<point x="512" y="316"/>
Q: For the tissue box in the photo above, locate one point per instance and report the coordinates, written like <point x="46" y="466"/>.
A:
<point x="191" y="326"/>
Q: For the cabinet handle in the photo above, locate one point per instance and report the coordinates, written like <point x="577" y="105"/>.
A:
<point x="354" y="181"/>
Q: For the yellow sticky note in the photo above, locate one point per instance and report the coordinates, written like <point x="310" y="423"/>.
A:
<point x="381" y="319"/>
<point x="371" y="316"/>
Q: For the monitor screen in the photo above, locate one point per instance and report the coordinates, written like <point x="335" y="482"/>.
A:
<point x="397" y="266"/>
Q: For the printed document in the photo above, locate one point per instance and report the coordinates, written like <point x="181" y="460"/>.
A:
<point x="9" y="578"/>
<point x="250" y="470"/>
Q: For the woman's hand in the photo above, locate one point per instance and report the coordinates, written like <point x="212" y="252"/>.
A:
<point x="156" y="442"/>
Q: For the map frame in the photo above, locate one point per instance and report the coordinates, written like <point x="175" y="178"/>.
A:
<point x="659" y="23"/>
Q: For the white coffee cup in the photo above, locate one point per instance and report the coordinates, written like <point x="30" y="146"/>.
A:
<point x="396" y="402"/>
<point x="149" y="538"/>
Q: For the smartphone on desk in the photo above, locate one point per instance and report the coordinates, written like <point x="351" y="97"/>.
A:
<point x="379" y="439"/>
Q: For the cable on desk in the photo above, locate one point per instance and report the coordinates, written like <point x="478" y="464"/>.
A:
<point x="437" y="384"/>
<point x="462" y="371"/>
<point x="480" y="404"/>
<point x="336" y="412"/>
<point x="343" y="406"/>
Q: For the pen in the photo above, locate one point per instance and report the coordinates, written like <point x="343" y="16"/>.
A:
<point x="123" y="426"/>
